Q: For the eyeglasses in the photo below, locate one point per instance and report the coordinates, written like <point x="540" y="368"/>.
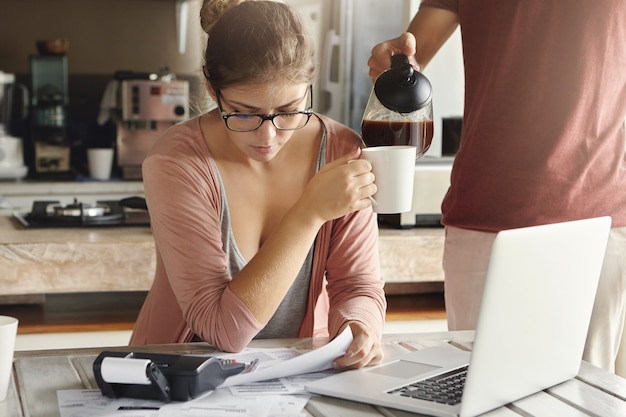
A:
<point x="247" y="122"/>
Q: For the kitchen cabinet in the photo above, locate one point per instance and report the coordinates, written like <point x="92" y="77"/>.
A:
<point x="105" y="36"/>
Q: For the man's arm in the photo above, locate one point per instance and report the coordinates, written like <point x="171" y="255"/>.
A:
<point x="427" y="32"/>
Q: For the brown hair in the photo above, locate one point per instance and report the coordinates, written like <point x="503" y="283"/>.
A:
<point x="255" y="42"/>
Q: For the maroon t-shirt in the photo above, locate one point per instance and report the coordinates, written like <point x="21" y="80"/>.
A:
<point x="545" y="102"/>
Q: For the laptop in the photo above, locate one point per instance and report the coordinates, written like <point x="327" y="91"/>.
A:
<point x="531" y="331"/>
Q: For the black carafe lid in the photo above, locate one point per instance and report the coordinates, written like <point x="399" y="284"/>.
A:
<point x="401" y="88"/>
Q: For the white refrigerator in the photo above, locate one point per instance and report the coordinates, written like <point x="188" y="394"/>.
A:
<point x="346" y="32"/>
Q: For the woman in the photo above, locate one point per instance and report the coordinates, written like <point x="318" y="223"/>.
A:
<point x="260" y="208"/>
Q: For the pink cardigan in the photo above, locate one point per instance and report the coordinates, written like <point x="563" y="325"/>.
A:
<point x="190" y="291"/>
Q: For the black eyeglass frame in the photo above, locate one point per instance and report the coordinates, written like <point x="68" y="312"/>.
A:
<point x="263" y="117"/>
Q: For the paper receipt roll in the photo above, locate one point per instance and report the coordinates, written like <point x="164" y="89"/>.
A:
<point x="125" y="371"/>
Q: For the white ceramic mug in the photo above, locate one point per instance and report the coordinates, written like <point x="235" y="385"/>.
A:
<point x="11" y="152"/>
<point x="394" y="168"/>
<point x="8" y="332"/>
<point x="100" y="163"/>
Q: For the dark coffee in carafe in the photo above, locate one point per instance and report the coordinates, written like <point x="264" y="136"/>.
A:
<point x="391" y="133"/>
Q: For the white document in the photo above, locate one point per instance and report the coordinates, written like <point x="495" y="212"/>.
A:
<point x="294" y="384"/>
<point x="91" y="403"/>
<point x="316" y="360"/>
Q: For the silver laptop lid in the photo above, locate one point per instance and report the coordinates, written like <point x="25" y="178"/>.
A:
<point x="535" y="312"/>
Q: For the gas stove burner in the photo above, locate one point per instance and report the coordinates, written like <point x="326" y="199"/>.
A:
<point x="76" y="210"/>
<point x="53" y="213"/>
<point x="77" y="214"/>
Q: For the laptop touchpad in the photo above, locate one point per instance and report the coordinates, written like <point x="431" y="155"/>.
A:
<point x="403" y="369"/>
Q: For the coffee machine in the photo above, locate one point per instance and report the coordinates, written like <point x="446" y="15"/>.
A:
<point x="13" y="110"/>
<point x="146" y="108"/>
<point x="49" y="104"/>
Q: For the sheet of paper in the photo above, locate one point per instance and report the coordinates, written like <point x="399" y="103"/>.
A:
<point x="91" y="403"/>
<point x="289" y="406"/>
<point x="220" y="403"/>
<point x="279" y="386"/>
<point x="313" y="361"/>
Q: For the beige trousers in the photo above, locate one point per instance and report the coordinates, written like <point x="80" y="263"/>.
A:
<point x="465" y="260"/>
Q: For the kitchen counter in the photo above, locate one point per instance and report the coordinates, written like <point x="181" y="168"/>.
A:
<point x="410" y="259"/>
<point x="42" y="261"/>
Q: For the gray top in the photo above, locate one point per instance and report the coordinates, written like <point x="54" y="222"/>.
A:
<point x="287" y="318"/>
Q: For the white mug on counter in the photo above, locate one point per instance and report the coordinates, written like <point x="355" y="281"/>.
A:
<point x="100" y="162"/>
<point x="394" y="169"/>
<point x="8" y="333"/>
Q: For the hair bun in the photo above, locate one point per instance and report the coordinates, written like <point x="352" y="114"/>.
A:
<point x="212" y="10"/>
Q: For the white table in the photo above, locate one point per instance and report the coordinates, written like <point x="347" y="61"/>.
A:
<point x="39" y="374"/>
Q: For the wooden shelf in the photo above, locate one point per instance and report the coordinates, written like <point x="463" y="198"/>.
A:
<point x="112" y="311"/>
<point x="78" y="312"/>
<point x="416" y="307"/>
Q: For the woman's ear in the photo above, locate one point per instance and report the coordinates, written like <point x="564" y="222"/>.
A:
<point x="210" y="90"/>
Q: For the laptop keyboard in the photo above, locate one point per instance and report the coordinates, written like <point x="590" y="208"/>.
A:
<point x="445" y="388"/>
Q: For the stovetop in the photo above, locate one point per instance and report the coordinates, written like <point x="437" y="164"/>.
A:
<point x="110" y="213"/>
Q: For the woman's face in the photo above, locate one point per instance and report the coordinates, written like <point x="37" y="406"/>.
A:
<point x="263" y="143"/>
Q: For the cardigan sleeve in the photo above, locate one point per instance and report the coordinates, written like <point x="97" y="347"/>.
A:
<point x="184" y="204"/>
<point x="354" y="282"/>
<point x="355" y="285"/>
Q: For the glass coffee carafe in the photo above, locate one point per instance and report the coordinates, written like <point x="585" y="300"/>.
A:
<point x="399" y="110"/>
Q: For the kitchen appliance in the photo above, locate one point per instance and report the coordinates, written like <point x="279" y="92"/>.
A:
<point x="13" y="108"/>
<point x="49" y="104"/>
<point x="161" y="376"/>
<point x="130" y="211"/>
<point x="451" y="128"/>
<point x="146" y="108"/>
<point x="399" y="110"/>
